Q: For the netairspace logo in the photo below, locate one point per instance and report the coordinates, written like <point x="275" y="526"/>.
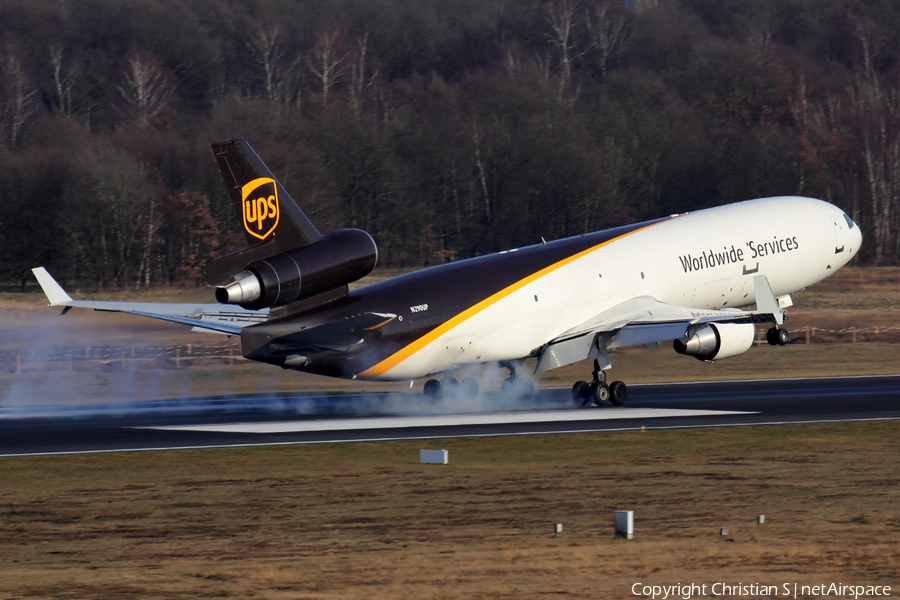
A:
<point x="784" y="590"/>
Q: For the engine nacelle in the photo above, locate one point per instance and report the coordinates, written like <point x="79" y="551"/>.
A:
<point x="339" y="258"/>
<point x="715" y="341"/>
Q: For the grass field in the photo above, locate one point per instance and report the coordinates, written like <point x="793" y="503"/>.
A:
<point x="367" y="521"/>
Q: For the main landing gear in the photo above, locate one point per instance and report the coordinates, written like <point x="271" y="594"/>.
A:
<point x="451" y="388"/>
<point x="778" y="337"/>
<point x="513" y="387"/>
<point x="519" y="388"/>
<point x="598" y="391"/>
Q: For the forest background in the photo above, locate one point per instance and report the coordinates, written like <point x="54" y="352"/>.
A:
<point x="445" y="128"/>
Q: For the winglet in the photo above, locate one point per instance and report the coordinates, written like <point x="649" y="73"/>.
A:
<point x="55" y="294"/>
<point x="766" y="302"/>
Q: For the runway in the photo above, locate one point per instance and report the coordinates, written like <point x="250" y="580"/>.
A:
<point x="318" y="418"/>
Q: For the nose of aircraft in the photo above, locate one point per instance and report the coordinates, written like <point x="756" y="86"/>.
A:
<point x="854" y="235"/>
<point x="857" y="238"/>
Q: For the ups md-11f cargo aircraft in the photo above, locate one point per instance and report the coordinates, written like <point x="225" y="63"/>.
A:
<point x="681" y="279"/>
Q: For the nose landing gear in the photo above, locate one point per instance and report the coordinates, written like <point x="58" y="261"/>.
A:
<point x="598" y="391"/>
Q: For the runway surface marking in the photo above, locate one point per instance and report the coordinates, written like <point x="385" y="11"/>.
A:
<point x="545" y="416"/>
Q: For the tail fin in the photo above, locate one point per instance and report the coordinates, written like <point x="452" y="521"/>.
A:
<point x="272" y="221"/>
<point x="267" y="211"/>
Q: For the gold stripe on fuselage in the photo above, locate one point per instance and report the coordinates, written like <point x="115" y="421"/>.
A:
<point x="396" y="358"/>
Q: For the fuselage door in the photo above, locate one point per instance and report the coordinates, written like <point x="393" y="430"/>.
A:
<point x="838" y="235"/>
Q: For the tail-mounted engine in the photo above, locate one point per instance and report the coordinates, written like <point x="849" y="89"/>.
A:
<point x="336" y="259"/>
<point x="715" y="341"/>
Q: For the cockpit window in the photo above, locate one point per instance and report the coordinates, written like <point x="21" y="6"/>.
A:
<point x="850" y="222"/>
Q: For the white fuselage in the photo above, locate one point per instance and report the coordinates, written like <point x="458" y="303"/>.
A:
<point x="705" y="259"/>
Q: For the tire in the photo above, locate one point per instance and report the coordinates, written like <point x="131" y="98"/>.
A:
<point x="581" y="393"/>
<point x="449" y="389"/>
<point x="432" y="388"/>
<point x="783" y="337"/>
<point x="772" y="337"/>
<point x="618" y="393"/>
<point x="468" y="388"/>
<point x="524" y="388"/>
<point x="599" y="393"/>
<point x="519" y="388"/>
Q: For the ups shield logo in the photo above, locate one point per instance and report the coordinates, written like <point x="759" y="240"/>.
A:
<point x="261" y="209"/>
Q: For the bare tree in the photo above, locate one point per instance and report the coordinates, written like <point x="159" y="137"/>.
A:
<point x="112" y="184"/>
<point x="608" y="27"/>
<point x="18" y="96"/>
<point x="477" y="141"/>
<point x="561" y="16"/>
<point x="64" y="79"/>
<point x="760" y="36"/>
<point x="542" y="64"/>
<point x="152" y="221"/>
<point x="875" y="109"/>
<point x="145" y="89"/>
<point x="640" y="6"/>
<point x="265" y="45"/>
<point x="876" y="113"/>
<point x="326" y="64"/>
<point x="359" y="81"/>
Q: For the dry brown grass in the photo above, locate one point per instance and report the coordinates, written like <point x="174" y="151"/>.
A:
<point x="368" y="521"/>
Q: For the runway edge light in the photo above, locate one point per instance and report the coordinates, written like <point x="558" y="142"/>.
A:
<point x="624" y="524"/>
<point x="434" y="457"/>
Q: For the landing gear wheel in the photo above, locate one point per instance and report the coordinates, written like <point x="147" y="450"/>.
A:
<point x="783" y="337"/>
<point x="581" y="393"/>
<point x="518" y="388"/>
<point x="778" y="337"/>
<point x="600" y="393"/>
<point x="432" y="388"/>
<point x="468" y="388"/>
<point x="525" y="388"/>
<point x="618" y="393"/>
<point x="449" y="387"/>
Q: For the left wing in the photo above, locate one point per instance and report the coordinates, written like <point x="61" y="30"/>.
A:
<point x="207" y="318"/>
<point x="646" y="321"/>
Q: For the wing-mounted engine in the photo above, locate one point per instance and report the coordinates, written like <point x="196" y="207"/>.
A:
<point x="336" y="259"/>
<point x="715" y="341"/>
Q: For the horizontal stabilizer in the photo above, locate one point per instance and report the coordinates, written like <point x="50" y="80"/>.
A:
<point x="214" y="318"/>
<point x="210" y="325"/>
